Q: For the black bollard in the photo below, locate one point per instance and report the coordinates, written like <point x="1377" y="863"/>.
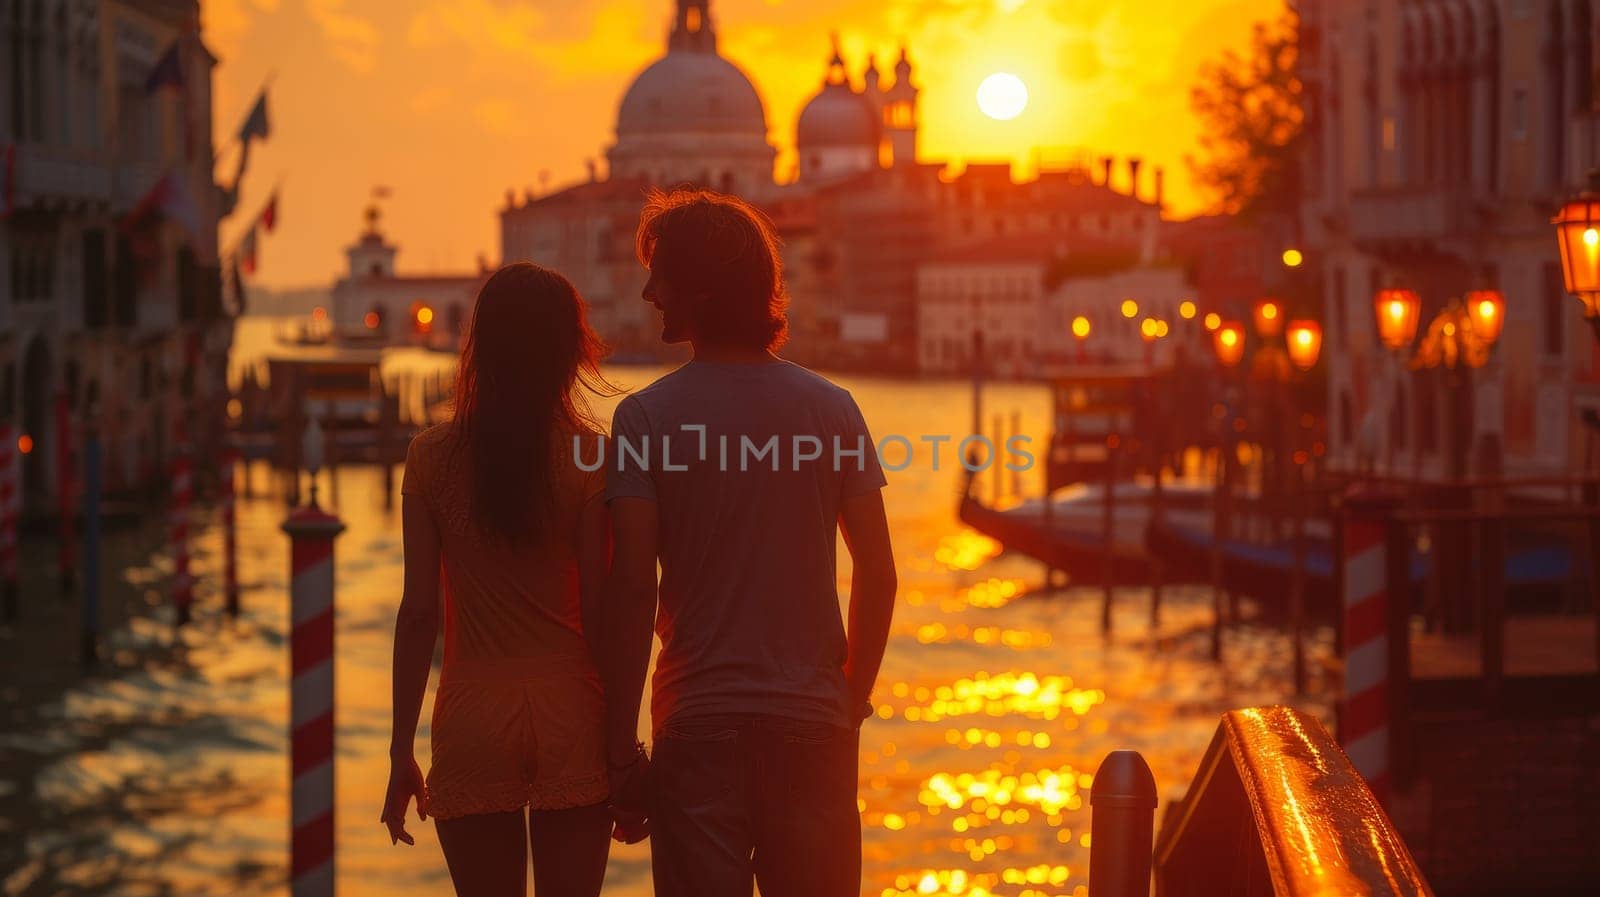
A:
<point x="1121" y="825"/>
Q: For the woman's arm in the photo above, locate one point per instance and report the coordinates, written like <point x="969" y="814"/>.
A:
<point x="416" y="630"/>
<point x="594" y="565"/>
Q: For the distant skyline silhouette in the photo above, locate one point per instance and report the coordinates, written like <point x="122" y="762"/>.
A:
<point x="451" y="103"/>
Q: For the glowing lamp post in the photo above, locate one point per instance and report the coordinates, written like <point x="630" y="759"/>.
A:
<point x="1305" y="344"/>
<point x="1148" y="332"/>
<point x="1269" y="318"/>
<point x="1229" y="342"/>
<point x="1487" y="311"/>
<point x="1397" y="313"/>
<point x="1080" y="332"/>
<point x="1578" y="237"/>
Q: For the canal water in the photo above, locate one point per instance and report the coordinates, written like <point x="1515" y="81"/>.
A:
<point x="997" y="700"/>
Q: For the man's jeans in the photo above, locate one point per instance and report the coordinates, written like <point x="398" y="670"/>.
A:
<point x="755" y="796"/>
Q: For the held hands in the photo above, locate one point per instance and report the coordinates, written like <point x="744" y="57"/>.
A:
<point x="630" y="798"/>
<point x="405" y="783"/>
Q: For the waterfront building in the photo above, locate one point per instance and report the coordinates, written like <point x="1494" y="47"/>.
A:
<point x="372" y="299"/>
<point x="1023" y="294"/>
<point x="1442" y="138"/>
<point x="112" y="302"/>
<point x="858" y="217"/>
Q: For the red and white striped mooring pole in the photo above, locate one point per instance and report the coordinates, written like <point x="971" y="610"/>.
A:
<point x="1364" y="710"/>
<point x="182" y="495"/>
<point x="230" y="540"/>
<point x="10" y="500"/>
<point x="312" y="532"/>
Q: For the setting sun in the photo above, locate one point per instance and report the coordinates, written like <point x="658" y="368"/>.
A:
<point x="1002" y="96"/>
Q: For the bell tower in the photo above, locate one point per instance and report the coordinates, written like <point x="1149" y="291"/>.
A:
<point x="692" y="28"/>
<point x="900" y="113"/>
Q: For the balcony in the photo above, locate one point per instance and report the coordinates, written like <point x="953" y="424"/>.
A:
<point x="47" y="176"/>
<point x="1412" y="214"/>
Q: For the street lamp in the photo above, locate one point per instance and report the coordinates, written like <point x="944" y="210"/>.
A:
<point x="1454" y="339"/>
<point x="1080" y="330"/>
<point x="1305" y="343"/>
<point x="1269" y="318"/>
<point x="1578" y="236"/>
<point x="1149" y="332"/>
<point x="1397" y="312"/>
<point x="1487" y="310"/>
<point x="1229" y="342"/>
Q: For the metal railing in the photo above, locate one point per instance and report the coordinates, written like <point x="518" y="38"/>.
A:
<point x="1274" y="808"/>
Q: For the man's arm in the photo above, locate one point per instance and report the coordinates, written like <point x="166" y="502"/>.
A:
<point x="872" y="589"/>
<point x="630" y="612"/>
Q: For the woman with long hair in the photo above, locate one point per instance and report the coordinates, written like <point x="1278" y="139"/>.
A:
<point x="496" y="506"/>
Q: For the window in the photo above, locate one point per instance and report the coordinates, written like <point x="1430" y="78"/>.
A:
<point x="33" y="264"/>
<point x="1553" y="307"/>
<point x="125" y="284"/>
<point x="96" y="301"/>
<point x="188" y="285"/>
<point x="19" y="96"/>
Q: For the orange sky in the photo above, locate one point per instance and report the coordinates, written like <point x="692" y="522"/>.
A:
<point x="449" y="102"/>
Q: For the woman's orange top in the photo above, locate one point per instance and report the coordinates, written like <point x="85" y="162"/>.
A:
<point x="519" y="716"/>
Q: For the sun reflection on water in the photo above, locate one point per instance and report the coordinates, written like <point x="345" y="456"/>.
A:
<point x="1003" y="694"/>
<point x="965" y="549"/>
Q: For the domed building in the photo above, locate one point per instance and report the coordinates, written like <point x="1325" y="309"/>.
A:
<point x="843" y="131"/>
<point x="693" y="116"/>
<point x="838" y="133"/>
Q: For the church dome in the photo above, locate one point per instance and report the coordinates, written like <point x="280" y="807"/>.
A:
<point x="687" y="91"/>
<point x="837" y="116"/>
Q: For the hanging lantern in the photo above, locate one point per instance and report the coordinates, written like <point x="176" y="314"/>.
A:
<point x="1487" y="311"/>
<point x="1081" y="327"/>
<point x="1305" y="343"/>
<point x="1229" y="343"/>
<point x="1397" y="312"/>
<point x="1578" y="236"/>
<point x="1269" y="318"/>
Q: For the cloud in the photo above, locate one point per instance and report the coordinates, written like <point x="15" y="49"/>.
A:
<point x="498" y="117"/>
<point x="605" y="41"/>
<point x="352" y="39"/>
<point x="430" y="100"/>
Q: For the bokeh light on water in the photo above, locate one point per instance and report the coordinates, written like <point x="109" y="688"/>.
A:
<point x="995" y="705"/>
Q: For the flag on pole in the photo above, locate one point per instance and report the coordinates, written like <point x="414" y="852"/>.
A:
<point x="269" y="215"/>
<point x="168" y="71"/>
<point x="256" y="125"/>
<point x="227" y="199"/>
<point x="237" y="281"/>
<point x="170" y="197"/>
<point x="245" y="255"/>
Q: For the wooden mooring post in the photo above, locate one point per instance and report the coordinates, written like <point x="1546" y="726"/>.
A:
<point x="1108" y="530"/>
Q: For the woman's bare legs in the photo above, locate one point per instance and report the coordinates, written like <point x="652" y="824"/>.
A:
<point x="570" y="848"/>
<point x="486" y="853"/>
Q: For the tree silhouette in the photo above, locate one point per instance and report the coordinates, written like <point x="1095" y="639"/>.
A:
<point x="1252" y="111"/>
